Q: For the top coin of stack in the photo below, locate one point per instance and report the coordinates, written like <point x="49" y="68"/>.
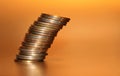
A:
<point x="40" y="36"/>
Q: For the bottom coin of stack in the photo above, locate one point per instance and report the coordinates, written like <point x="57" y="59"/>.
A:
<point x="40" y="36"/>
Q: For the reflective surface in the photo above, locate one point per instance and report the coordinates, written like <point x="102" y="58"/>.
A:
<point x="88" y="46"/>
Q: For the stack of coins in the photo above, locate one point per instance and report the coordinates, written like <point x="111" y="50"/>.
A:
<point x="40" y="36"/>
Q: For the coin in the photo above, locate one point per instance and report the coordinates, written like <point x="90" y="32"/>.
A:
<point x="29" y="57"/>
<point x="55" y="17"/>
<point x="50" y="21"/>
<point x="47" y="24"/>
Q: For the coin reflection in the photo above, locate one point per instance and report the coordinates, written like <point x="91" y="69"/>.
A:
<point x="28" y="68"/>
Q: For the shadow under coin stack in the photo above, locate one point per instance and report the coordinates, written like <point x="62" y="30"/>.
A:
<point x="40" y="37"/>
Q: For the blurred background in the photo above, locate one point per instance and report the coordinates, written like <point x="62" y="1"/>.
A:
<point x="88" y="46"/>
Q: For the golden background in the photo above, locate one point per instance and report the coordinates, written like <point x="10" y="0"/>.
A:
<point x="88" y="46"/>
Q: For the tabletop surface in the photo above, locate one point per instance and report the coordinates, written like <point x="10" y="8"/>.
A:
<point x="88" y="46"/>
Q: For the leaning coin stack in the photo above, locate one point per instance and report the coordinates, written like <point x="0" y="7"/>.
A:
<point x="40" y="36"/>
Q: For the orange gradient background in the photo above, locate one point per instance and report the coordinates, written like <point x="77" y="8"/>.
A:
<point x="88" y="46"/>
